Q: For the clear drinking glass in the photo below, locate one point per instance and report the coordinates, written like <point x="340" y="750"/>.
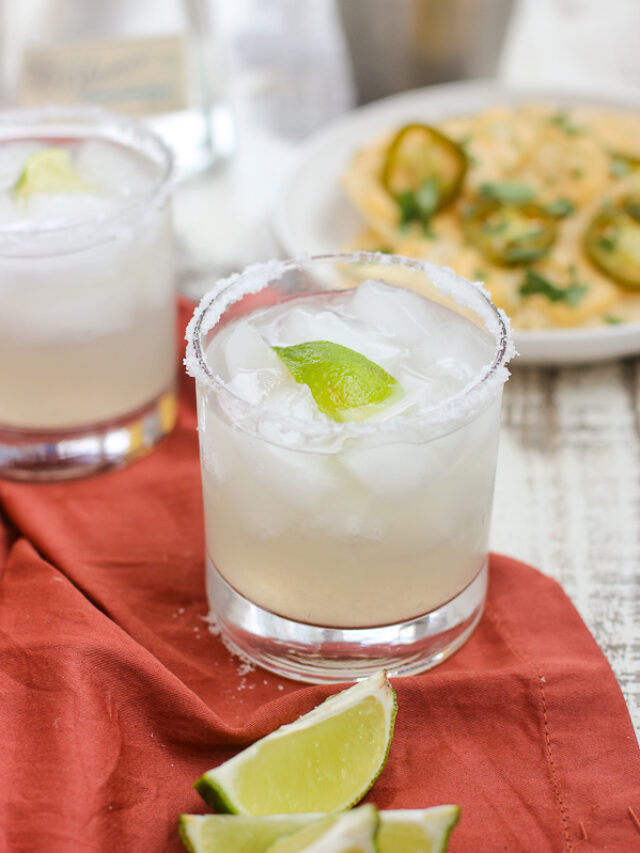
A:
<point x="337" y="548"/>
<point x="87" y="302"/>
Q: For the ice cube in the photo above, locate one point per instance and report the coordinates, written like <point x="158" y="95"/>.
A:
<point x="298" y="478"/>
<point x="245" y="349"/>
<point x="301" y="324"/>
<point x="395" y="470"/>
<point x="59" y="209"/>
<point x="114" y="170"/>
<point x="295" y="400"/>
<point x="252" y="367"/>
<point x="457" y="350"/>
<point x="396" y="312"/>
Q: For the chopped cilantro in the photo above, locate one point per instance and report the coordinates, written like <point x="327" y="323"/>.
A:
<point x="623" y="164"/>
<point x="608" y="241"/>
<point x="464" y="145"/>
<point x="507" y="193"/>
<point x="611" y="320"/>
<point x="562" y="120"/>
<point x="515" y="254"/>
<point x="632" y="207"/>
<point x="419" y="205"/>
<point x="560" y="208"/>
<point x="534" y="283"/>
<point x="479" y="275"/>
<point x="492" y="226"/>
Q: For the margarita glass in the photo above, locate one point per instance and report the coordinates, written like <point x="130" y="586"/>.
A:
<point x="87" y="303"/>
<point x="339" y="547"/>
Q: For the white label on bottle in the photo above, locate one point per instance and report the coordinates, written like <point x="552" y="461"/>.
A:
<point x="137" y="77"/>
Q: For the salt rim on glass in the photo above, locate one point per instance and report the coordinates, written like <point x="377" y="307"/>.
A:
<point x="288" y="431"/>
<point x="86" y="123"/>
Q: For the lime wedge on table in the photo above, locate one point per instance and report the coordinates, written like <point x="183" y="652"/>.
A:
<point x="50" y="170"/>
<point x="345" y="384"/>
<point x="323" y="762"/>
<point x="349" y="832"/>
<point x="399" y="831"/>
<point x="417" y="830"/>
<point x="223" y="833"/>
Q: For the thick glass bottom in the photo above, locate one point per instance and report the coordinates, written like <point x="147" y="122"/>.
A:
<point x="45" y="455"/>
<point x="315" y="654"/>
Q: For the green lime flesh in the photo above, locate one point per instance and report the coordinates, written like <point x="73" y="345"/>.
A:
<point x="345" y="384"/>
<point x="237" y="833"/>
<point x="50" y="170"/>
<point x="348" y="832"/>
<point x="322" y="768"/>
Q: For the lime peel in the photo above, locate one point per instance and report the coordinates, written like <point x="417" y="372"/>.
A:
<point x="325" y="761"/>
<point x="348" y="832"/>
<point x="49" y="170"/>
<point x="227" y="833"/>
<point x="345" y="384"/>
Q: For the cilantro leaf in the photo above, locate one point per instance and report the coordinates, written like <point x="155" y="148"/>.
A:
<point x="534" y="283"/>
<point x="560" y="208"/>
<point x="507" y="193"/>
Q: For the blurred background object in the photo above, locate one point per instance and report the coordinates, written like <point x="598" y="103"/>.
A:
<point x="288" y="75"/>
<point x="152" y="59"/>
<point x="236" y="87"/>
<point x="588" y="46"/>
<point x="397" y="45"/>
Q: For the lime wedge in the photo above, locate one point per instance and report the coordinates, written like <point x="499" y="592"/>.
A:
<point x="323" y="762"/>
<point x="401" y="831"/>
<point x="345" y="384"/>
<point x="349" y="832"/>
<point x="50" y="170"/>
<point x="417" y="830"/>
<point x="223" y="833"/>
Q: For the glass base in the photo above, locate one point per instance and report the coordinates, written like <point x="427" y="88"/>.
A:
<point x="315" y="654"/>
<point x="38" y="455"/>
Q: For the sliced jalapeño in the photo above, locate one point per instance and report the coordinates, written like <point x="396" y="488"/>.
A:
<point x="510" y="234"/>
<point x="612" y="242"/>
<point x="423" y="171"/>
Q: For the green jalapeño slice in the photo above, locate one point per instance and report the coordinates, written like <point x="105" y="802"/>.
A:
<point x="423" y="171"/>
<point x="612" y="242"/>
<point x="346" y="385"/>
<point x="510" y="234"/>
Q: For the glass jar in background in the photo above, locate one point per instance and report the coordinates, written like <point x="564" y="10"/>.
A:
<point x="153" y="59"/>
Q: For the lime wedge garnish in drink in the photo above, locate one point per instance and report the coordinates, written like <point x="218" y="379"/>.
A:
<point x="323" y="762"/>
<point x="223" y="833"/>
<point x="348" y="832"/>
<point x="50" y="170"/>
<point x="416" y="830"/>
<point x="345" y="384"/>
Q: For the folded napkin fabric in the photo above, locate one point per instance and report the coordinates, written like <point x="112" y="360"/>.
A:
<point x="115" y="696"/>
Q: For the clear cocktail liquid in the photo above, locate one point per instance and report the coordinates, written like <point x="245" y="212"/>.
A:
<point x="345" y="540"/>
<point x="87" y="321"/>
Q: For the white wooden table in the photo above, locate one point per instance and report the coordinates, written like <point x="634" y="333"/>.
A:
<point x="568" y="497"/>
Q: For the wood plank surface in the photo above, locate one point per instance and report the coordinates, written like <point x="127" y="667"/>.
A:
<point x="568" y="497"/>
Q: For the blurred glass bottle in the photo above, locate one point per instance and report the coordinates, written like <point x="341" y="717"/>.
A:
<point x="153" y="59"/>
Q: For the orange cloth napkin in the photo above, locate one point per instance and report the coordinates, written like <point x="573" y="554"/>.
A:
<point x="114" y="696"/>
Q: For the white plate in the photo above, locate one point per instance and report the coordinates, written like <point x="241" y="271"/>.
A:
<point x="312" y="214"/>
